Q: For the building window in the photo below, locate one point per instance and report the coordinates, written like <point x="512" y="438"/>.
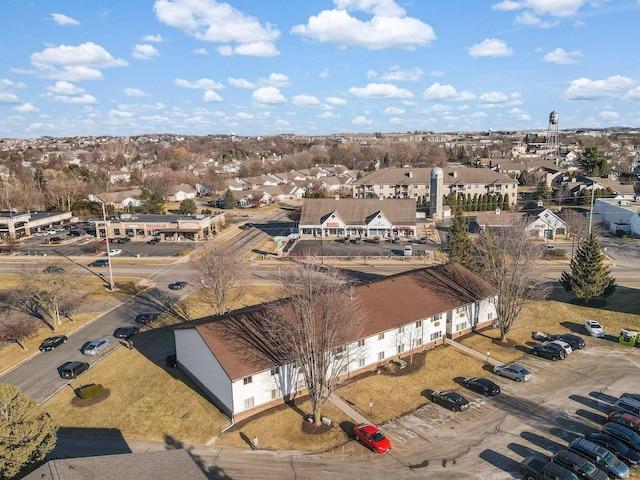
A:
<point x="248" y="403"/>
<point x="461" y="326"/>
<point x="361" y="342"/>
<point x="436" y="318"/>
<point x="275" y="393"/>
<point x="400" y="348"/>
<point x="299" y="385"/>
<point x="419" y="324"/>
<point x="381" y="356"/>
<point x="381" y="336"/>
<point x="435" y="335"/>
<point x="361" y="362"/>
<point x="247" y="380"/>
<point x="460" y="310"/>
<point x="401" y="330"/>
<point x="275" y="371"/>
<point x="417" y="342"/>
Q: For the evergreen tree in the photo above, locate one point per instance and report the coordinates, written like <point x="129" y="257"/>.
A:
<point x="474" y="204"/>
<point x="459" y="243"/>
<point x="228" y="201"/>
<point x="26" y="433"/>
<point x="151" y="202"/>
<point x="543" y="192"/>
<point x="505" y="203"/>
<point x="188" y="206"/>
<point x="589" y="278"/>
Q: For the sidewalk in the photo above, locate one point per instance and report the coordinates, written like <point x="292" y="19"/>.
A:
<point x="471" y="352"/>
<point x="344" y="406"/>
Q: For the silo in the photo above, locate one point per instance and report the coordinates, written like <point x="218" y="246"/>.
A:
<point x="436" y="191"/>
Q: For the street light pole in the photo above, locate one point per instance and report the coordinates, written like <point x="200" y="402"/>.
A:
<point x="106" y="236"/>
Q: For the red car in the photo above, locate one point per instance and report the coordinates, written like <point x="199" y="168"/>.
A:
<point x="625" y="419"/>
<point x="372" y="438"/>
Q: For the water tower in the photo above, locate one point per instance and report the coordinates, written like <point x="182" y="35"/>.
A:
<point x="553" y="137"/>
<point x="436" y="191"/>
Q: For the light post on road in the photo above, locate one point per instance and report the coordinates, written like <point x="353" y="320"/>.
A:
<point x="106" y="236"/>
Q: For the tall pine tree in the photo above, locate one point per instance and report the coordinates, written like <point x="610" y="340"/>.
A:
<point x="589" y="278"/>
<point x="459" y="243"/>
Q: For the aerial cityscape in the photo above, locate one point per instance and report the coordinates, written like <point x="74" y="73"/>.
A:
<point x="351" y="239"/>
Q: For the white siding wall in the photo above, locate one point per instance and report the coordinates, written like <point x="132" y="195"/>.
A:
<point x="196" y="357"/>
<point x="265" y="387"/>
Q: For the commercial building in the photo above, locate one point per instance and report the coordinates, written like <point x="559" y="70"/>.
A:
<point x="24" y="224"/>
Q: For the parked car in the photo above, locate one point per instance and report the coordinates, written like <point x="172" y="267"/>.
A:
<point x="600" y="457"/>
<point x="53" y="269"/>
<point x="372" y="438"/>
<point x="73" y="369"/>
<point x="535" y="467"/>
<point x="154" y="240"/>
<point x="550" y="351"/>
<point x="594" y="329"/>
<point x="56" y="240"/>
<point x="635" y="396"/>
<point x="96" y="347"/>
<point x="408" y="251"/>
<point x="52" y="342"/>
<point x="626" y="419"/>
<point x="451" y="400"/>
<point x="579" y="465"/>
<point x="246" y="226"/>
<point x="564" y="345"/>
<point x="178" y="285"/>
<point x="624" y="453"/>
<point x="575" y="341"/>
<point x="126" y="332"/>
<point x="115" y="251"/>
<point x="627" y="436"/>
<point x="628" y="405"/>
<point x="146" y="318"/>
<point x="513" y="371"/>
<point x="482" y="385"/>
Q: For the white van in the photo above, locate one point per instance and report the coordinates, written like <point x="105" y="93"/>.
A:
<point x="408" y="251"/>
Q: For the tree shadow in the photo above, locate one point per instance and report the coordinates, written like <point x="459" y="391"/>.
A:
<point x="347" y="428"/>
<point x="247" y="440"/>
<point x="623" y="300"/>
<point x="212" y="472"/>
<point x="542" y="442"/>
<point x="166" y="302"/>
<point x="592" y="403"/>
<point x="500" y="461"/>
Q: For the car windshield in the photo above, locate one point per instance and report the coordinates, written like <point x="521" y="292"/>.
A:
<point x="610" y="459"/>
<point x="377" y="437"/>
<point x="595" y="325"/>
<point x="589" y="469"/>
<point x="49" y="341"/>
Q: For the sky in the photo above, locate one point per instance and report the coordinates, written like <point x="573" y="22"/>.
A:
<point x="315" y="67"/>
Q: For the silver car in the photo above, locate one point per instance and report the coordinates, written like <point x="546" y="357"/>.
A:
<point x="514" y="372"/>
<point x="96" y="346"/>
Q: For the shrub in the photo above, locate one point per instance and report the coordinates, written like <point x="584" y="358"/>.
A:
<point x="621" y="234"/>
<point x="90" y="391"/>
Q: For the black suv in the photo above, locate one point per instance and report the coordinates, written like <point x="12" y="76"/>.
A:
<point x="551" y="351"/>
<point x="154" y="240"/>
<point x="582" y="467"/>
<point x="574" y="341"/>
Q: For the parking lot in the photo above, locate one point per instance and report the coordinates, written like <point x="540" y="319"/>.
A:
<point x="563" y="401"/>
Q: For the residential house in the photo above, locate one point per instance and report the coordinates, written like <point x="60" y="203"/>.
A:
<point x="357" y="217"/>
<point x="120" y="200"/>
<point x="178" y="193"/>
<point x="229" y="357"/>
<point x="540" y="223"/>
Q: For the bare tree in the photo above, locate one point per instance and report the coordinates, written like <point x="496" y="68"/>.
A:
<point x="511" y="262"/>
<point x="18" y="331"/>
<point x="315" y="327"/>
<point x="222" y="276"/>
<point x="577" y="225"/>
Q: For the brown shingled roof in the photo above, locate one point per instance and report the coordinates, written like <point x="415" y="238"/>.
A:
<point x="354" y="211"/>
<point x="241" y="348"/>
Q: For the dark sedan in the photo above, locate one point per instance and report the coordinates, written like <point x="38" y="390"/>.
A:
<point x="178" y="285"/>
<point x="126" y="332"/>
<point x="624" y="453"/>
<point x="52" y="342"/>
<point x="146" y="318"/>
<point x="482" y="385"/>
<point x="451" y="400"/>
<point x="574" y="341"/>
<point x="550" y="351"/>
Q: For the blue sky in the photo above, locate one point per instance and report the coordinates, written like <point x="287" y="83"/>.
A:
<point x="255" y="67"/>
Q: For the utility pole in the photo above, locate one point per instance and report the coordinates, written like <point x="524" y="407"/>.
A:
<point x="106" y="236"/>
<point x="593" y="197"/>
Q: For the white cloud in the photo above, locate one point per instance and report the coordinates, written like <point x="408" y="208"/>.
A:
<point x="562" y="57"/>
<point x="446" y="92"/>
<point x="65" y="88"/>
<point x="324" y="73"/>
<point x="240" y="83"/>
<point x="74" y="63"/>
<point x="395" y="74"/>
<point x="305" y="101"/>
<point x="8" y="98"/>
<point x="394" y="111"/>
<point x="268" y="95"/>
<point x="633" y="94"/>
<point x="436" y="73"/>
<point x="62" y="19"/>
<point x="381" y="31"/>
<point x="499" y="99"/>
<point x="6" y="83"/>
<point x="211" y="96"/>
<point x="555" y="8"/>
<point x="26" y="108"/>
<point x="84" y="99"/>
<point x="218" y="22"/>
<point x="133" y="92"/>
<point x="490" y="47"/>
<point x="276" y="80"/>
<point x="328" y="115"/>
<point x="335" y="101"/>
<point x="379" y="8"/>
<point x="361" y="120"/>
<point x="200" y="51"/>
<point x="380" y="90"/>
<point x="520" y="114"/>
<point x="119" y="114"/>
<point x="66" y="92"/>
<point x="202" y="83"/>
<point x="611" y="87"/>
<point x="507" y="5"/>
<point x="144" y="52"/>
<point x="244" y="116"/>
<point x="608" y="115"/>
<point x="153" y="38"/>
